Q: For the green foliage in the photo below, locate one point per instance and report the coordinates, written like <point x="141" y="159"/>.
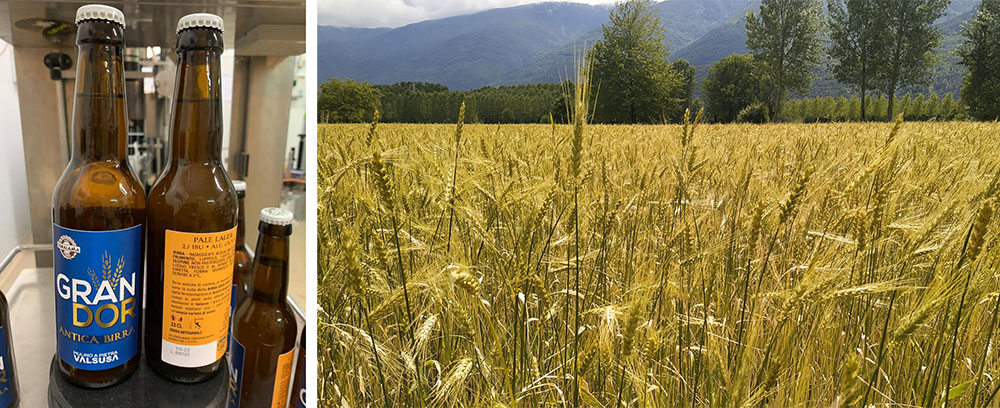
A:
<point x="733" y="84"/>
<point x="417" y="102"/>
<point x="912" y="38"/>
<point x="685" y="92"/>
<point x="346" y="101"/>
<point x="754" y="113"/>
<point x="829" y="109"/>
<point x="630" y="72"/>
<point x="980" y="53"/>
<point x="858" y="42"/>
<point x="948" y="108"/>
<point x="916" y="109"/>
<point x="787" y="37"/>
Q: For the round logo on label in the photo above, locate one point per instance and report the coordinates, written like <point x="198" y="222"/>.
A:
<point x="67" y="247"/>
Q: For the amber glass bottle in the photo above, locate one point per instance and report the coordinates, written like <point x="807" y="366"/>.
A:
<point x="264" y="325"/>
<point x="98" y="211"/>
<point x="192" y="214"/>
<point x="241" y="264"/>
<point x="10" y="395"/>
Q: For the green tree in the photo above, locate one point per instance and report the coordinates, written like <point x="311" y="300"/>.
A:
<point x="916" y="108"/>
<point x="906" y="105"/>
<point x="507" y="116"/>
<point x="854" y="109"/>
<point x="912" y="39"/>
<point x="754" y="113"/>
<point x="733" y="83"/>
<point x="857" y="44"/>
<point x="685" y="92"/>
<point x="787" y="37"/>
<point x="980" y="53"/>
<point x="814" y="109"/>
<point x="630" y="71"/>
<point x="842" y="108"/>
<point x="790" y="110"/>
<point x="947" y="107"/>
<point x="932" y="106"/>
<point x="346" y="101"/>
<point x="880" y="104"/>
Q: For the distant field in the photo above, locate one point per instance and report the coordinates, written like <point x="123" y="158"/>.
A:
<point x="713" y="265"/>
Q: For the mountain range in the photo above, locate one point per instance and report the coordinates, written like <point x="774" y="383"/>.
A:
<point x="538" y="43"/>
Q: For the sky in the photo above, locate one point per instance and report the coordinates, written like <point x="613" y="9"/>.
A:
<point x="396" y="13"/>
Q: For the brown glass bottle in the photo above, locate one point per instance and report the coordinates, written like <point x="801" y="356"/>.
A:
<point x="98" y="211"/>
<point x="299" y="385"/>
<point x="192" y="215"/>
<point x="10" y="395"/>
<point x="241" y="264"/>
<point x="264" y="325"/>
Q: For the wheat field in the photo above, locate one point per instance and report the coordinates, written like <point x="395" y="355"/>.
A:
<point x="825" y="265"/>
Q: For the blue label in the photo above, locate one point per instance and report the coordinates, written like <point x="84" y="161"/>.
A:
<point x="8" y="379"/>
<point x="98" y="276"/>
<point x="299" y="396"/>
<point x="232" y="314"/>
<point x="236" y="351"/>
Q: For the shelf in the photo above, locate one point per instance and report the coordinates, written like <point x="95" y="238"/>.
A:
<point x="144" y="388"/>
<point x="32" y="299"/>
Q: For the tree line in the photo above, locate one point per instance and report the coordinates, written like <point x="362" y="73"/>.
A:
<point x="877" y="47"/>
<point x="420" y="102"/>
<point x="843" y="109"/>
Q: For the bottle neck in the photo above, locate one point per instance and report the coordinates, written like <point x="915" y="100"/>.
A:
<point x="270" y="271"/>
<point x="100" y="131"/>
<point x="241" y="226"/>
<point x="197" y="106"/>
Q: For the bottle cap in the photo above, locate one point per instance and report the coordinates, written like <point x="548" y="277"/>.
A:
<point x="200" y="20"/>
<point x="240" y="185"/>
<point x="100" y="12"/>
<point x="276" y="216"/>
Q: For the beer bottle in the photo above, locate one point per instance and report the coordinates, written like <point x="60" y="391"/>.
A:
<point x="192" y="219"/>
<point x="241" y="264"/>
<point x="9" y="392"/>
<point x="264" y="325"/>
<point x="299" y="385"/>
<point x="98" y="211"/>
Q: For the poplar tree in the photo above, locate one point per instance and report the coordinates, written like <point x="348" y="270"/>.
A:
<point x="858" y="40"/>
<point x="912" y="39"/>
<point x="787" y="37"/>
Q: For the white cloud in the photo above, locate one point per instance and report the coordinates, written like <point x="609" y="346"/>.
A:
<point x="395" y="13"/>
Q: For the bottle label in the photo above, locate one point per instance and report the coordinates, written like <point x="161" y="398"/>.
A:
<point x="97" y="274"/>
<point x="7" y="376"/>
<point x="235" y="373"/>
<point x="282" y="375"/>
<point x="299" y="398"/>
<point x="197" y="292"/>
